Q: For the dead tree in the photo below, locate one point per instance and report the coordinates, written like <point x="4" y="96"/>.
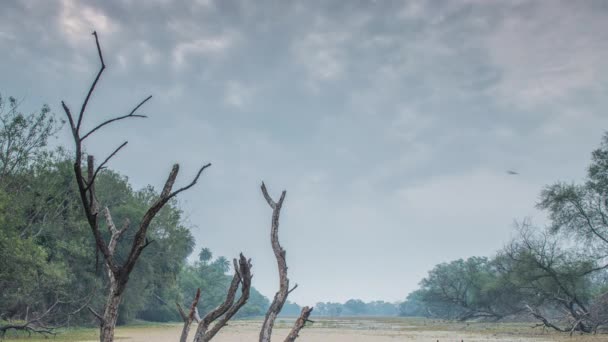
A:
<point x="192" y="316"/>
<point x="118" y="272"/>
<point x="242" y="277"/>
<point x="225" y="311"/>
<point x="32" y="324"/>
<point x="281" y="295"/>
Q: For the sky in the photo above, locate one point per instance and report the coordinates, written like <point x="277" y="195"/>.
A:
<point x="391" y="124"/>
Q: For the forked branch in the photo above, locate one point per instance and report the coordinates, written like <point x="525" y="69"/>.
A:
<point x="130" y="115"/>
<point x="217" y="318"/>
<point x="191" y="316"/>
<point x="281" y="296"/>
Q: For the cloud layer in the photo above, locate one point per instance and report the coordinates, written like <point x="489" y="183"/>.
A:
<point x="391" y="124"/>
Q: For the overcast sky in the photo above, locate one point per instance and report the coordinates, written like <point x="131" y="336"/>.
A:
<point x="390" y="123"/>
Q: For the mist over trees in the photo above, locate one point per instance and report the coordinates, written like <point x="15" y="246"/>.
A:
<point x="555" y="275"/>
<point x="356" y="307"/>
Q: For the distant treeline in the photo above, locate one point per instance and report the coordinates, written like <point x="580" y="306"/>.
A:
<point x="47" y="252"/>
<point x="556" y="275"/>
<point x="356" y="307"/>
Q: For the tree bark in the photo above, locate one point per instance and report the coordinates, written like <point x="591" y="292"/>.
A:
<point x="225" y="311"/>
<point x="281" y="295"/>
<point x="192" y="316"/>
<point x="110" y="314"/>
<point x="299" y="324"/>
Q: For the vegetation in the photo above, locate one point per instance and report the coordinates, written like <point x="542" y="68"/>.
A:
<point x="51" y="268"/>
<point x="557" y="275"/>
<point x="357" y="307"/>
<point x="57" y="264"/>
<point x="41" y="269"/>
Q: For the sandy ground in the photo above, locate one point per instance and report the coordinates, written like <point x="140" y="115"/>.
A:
<point x="341" y="330"/>
<point x="359" y="330"/>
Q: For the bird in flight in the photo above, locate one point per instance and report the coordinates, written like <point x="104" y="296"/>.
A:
<point x="511" y="172"/>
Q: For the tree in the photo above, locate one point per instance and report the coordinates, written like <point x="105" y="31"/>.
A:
<point x="281" y="296"/>
<point x="413" y="306"/>
<point x="355" y="307"/>
<point x="551" y="279"/>
<point x="32" y="277"/>
<point x="581" y="210"/>
<point x="118" y="272"/>
<point x="466" y="289"/>
<point x="225" y="311"/>
<point x="39" y="268"/>
<point x="23" y="137"/>
<point x="119" y="262"/>
<point x="205" y="255"/>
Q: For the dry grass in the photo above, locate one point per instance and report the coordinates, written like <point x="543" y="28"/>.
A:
<point x="344" y="330"/>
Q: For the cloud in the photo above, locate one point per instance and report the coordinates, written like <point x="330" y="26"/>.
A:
<point x="417" y="108"/>
<point x="206" y="47"/>
<point x="320" y="54"/>
<point x="76" y="18"/>
<point x="548" y="53"/>
<point x="237" y="94"/>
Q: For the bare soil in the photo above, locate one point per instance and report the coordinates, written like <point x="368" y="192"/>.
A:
<point x="342" y="330"/>
<point x="369" y="330"/>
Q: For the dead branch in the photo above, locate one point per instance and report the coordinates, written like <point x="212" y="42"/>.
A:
<point x="27" y="327"/>
<point x="299" y="324"/>
<point x="225" y="311"/>
<point x="281" y="296"/>
<point x="130" y="115"/>
<point x="190" y="317"/>
<point x="118" y="273"/>
<point x="102" y="67"/>
<point x="93" y="174"/>
<point x="32" y="325"/>
<point x="140" y="242"/>
<point x="545" y="322"/>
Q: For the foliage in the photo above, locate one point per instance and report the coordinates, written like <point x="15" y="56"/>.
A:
<point x="47" y="253"/>
<point x="558" y="276"/>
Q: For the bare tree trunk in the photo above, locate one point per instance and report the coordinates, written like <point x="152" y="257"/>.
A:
<point x="192" y="316"/>
<point x="110" y="314"/>
<point x="281" y="296"/>
<point x="299" y="324"/>
<point x="118" y="273"/>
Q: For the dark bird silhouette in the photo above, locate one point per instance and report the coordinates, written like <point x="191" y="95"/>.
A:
<point x="513" y="173"/>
